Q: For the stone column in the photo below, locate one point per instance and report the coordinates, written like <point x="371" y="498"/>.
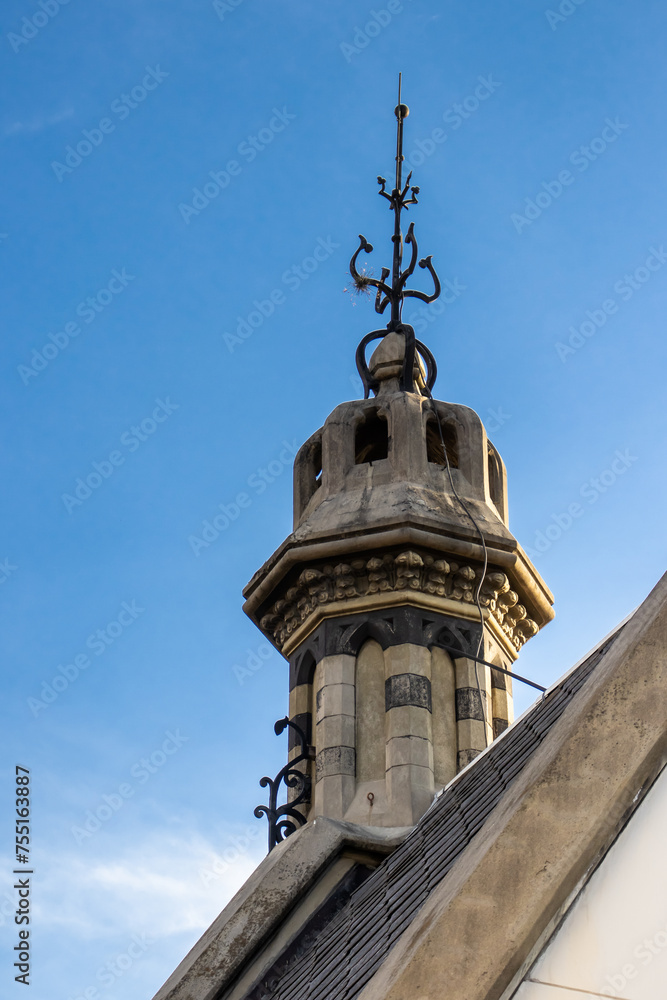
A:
<point x="503" y="708"/>
<point x="471" y="710"/>
<point x="335" y="763"/>
<point x="300" y="711"/>
<point x="408" y="729"/>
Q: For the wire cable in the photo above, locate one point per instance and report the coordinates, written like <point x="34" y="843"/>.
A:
<point x="486" y="559"/>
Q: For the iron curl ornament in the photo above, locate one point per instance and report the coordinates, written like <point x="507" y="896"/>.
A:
<point x="286" y="819"/>
<point x="394" y="294"/>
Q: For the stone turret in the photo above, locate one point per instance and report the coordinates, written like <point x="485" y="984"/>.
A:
<point x="371" y="598"/>
<point x="401" y="581"/>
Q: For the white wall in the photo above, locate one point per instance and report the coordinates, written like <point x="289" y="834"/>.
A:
<point x="613" y="941"/>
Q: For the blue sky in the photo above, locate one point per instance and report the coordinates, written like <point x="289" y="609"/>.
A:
<point x="543" y="203"/>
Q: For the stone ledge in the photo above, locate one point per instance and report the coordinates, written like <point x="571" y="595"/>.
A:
<point x="277" y="886"/>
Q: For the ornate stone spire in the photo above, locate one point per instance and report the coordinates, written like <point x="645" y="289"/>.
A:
<point x="398" y="586"/>
<point x="395" y="293"/>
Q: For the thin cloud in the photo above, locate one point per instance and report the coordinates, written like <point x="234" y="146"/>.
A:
<point x="37" y="124"/>
<point x="155" y="884"/>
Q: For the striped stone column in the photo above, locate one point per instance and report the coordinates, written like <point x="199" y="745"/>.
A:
<point x="300" y="712"/>
<point x="335" y="763"/>
<point x="503" y="706"/>
<point x="408" y="729"/>
<point x="473" y="707"/>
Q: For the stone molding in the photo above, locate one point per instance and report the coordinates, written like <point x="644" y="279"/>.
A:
<point x="344" y="635"/>
<point x="411" y="571"/>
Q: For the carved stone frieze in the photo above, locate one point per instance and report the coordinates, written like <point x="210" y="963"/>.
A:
<point x="411" y="571"/>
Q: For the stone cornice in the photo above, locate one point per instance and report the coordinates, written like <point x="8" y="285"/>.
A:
<point x="266" y="585"/>
<point x="391" y="578"/>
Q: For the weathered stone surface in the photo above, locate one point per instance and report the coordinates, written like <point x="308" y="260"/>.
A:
<point x="365" y="528"/>
<point x="469" y="704"/>
<point x="410" y="750"/>
<point x="336" y="731"/>
<point x="499" y="726"/>
<point x="334" y="699"/>
<point x="553" y="824"/>
<point x="410" y="787"/>
<point x="407" y="689"/>
<point x="335" y="760"/>
<point x="330" y="588"/>
<point x="408" y="720"/>
<point x="465" y="757"/>
<point x="282" y="879"/>
<point x="400" y="537"/>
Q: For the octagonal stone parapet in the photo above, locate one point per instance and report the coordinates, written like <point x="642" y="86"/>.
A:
<point x="293" y="596"/>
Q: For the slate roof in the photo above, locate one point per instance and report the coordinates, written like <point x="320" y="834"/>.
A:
<point x="344" y="956"/>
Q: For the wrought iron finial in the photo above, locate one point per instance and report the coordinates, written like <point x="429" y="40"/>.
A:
<point x="393" y="294"/>
<point x="285" y="819"/>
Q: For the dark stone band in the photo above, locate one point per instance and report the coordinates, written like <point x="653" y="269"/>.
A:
<point x="407" y="689"/>
<point x="304" y="721"/>
<point x="335" y="760"/>
<point x="469" y="704"/>
<point x="499" y="680"/>
<point x="464" y="757"/>
<point x="499" y="726"/>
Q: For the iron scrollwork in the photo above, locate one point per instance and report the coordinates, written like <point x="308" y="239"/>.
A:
<point x="286" y="819"/>
<point x="393" y="294"/>
<point x="412" y="346"/>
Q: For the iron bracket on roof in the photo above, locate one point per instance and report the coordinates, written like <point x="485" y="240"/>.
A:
<point x="285" y="820"/>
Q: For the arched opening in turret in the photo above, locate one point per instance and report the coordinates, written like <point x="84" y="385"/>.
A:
<point x="307" y="473"/>
<point x="495" y="479"/>
<point x="371" y="441"/>
<point x="434" y="451"/>
<point x="303" y="669"/>
<point x="316" y="466"/>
